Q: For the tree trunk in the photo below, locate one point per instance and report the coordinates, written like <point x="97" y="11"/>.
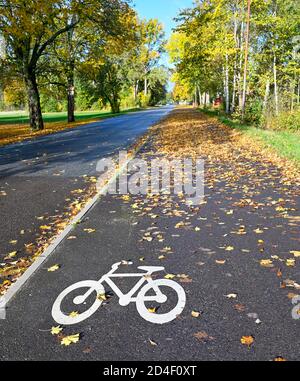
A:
<point x="240" y="67"/>
<point x="227" y="86"/>
<point x="34" y="105"/>
<point x="199" y="95"/>
<point x="146" y="85"/>
<point x="246" y="59"/>
<point x="275" y="85"/>
<point x="135" y="90"/>
<point x="235" y="66"/>
<point x="114" y="105"/>
<point x="267" y="93"/>
<point x="71" y="96"/>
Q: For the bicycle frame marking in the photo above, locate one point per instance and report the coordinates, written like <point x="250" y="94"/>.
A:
<point x="124" y="299"/>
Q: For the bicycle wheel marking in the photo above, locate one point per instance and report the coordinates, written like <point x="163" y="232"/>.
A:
<point x="142" y="287"/>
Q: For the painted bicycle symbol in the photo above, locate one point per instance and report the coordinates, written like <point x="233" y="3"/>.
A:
<point x="124" y="299"/>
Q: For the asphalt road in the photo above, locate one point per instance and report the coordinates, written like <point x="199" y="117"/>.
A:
<point x="234" y="295"/>
<point x="37" y="176"/>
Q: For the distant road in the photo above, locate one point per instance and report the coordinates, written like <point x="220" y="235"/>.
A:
<point x="36" y="176"/>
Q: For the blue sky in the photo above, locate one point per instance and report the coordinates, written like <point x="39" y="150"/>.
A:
<point x="164" y="10"/>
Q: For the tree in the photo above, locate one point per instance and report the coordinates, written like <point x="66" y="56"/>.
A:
<point x="152" y="46"/>
<point x="210" y="52"/>
<point x="29" y="28"/>
<point x="68" y="51"/>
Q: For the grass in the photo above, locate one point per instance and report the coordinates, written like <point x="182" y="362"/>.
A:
<point x="21" y="117"/>
<point x="14" y="126"/>
<point x="285" y="143"/>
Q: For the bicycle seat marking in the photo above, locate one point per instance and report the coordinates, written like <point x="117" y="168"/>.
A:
<point x="143" y="286"/>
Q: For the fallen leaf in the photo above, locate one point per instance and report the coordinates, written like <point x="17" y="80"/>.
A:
<point x="266" y="263"/>
<point x="56" y="330"/>
<point x="258" y="231"/>
<point x="72" y="339"/>
<point x="45" y="227"/>
<point x="53" y="268"/>
<point x="240" y="307"/>
<point x="89" y="230"/>
<point x="11" y="255"/>
<point x="290" y="262"/>
<point x="279" y="359"/>
<point x="202" y="336"/>
<point x="196" y="314"/>
<point x="231" y="296"/>
<point x="247" y="340"/>
<point x="170" y="276"/>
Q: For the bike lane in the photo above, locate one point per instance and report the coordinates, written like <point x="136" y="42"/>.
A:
<point x="116" y="332"/>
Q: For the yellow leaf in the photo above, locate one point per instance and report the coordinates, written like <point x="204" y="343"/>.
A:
<point x="290" y="262"/>
<point x="258" y="231"/>
<point x="102" y="297"/>
<point x="72" y="339"/>
<point x="170" y="276"/>
<point x="53" y="268"/>
<point x="266" y="263"/>
<point x="247" y="340"/>
<point x="73" y="314"/>
<point x="89" y="231"/>
<point x="295" y="253"/>
<point x="45" y="227"/>
<point x="279" y="359"/>
<point x="196" y="314"/>
<point x="152" y="310"/>
<point x="229" y="248"/>
<point x="56" y="330"/>
<point x="11" y="255"/>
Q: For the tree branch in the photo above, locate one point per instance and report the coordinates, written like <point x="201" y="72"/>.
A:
<point x="41" y="49"/>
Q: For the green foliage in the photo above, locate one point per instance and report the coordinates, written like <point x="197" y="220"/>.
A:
<point x="286" y="120"/>
<point x="254" y="112"/>
<point x="143" y="100"/>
